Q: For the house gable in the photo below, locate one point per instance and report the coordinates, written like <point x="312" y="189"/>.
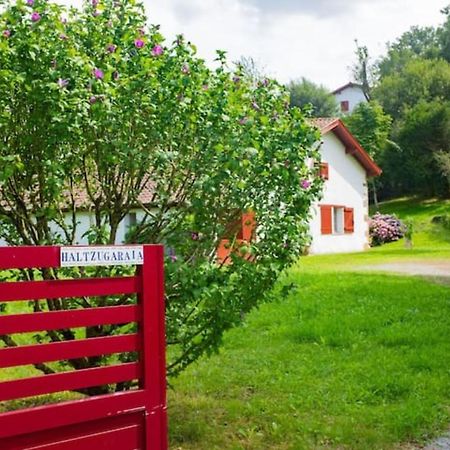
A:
<point x="351" y="145"/>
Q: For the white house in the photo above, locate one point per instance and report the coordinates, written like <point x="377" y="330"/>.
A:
<point x="349" y="96"/>
<point x="340" y="219"/>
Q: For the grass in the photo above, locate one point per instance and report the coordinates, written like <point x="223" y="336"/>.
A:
<point x="349" y="360"/>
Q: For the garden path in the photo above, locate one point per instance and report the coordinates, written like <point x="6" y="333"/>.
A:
<point x="434" y="268"/>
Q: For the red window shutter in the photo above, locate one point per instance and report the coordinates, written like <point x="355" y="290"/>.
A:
<point x="248" y="225"/>
<point x="349" y="225"/>
<point x="325" y="219"/>
<point x="324" y="170"/>
<point x="345" y="106"/>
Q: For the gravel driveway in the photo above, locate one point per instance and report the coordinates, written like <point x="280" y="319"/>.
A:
<point x="434" y="268"/>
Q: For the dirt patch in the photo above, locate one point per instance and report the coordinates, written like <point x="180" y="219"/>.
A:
<point x="440" y="270"/>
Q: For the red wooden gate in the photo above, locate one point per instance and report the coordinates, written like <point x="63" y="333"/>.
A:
<point x="134" y="419"/>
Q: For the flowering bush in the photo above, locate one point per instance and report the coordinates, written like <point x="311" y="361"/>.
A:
<point x="385" y="228"/>
<point x="96" y="101"/>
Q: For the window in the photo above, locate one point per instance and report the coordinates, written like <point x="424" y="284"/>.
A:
<point x="338" y="220"/>
<point x="335" y="219"/>
<point x="345" y="106"/>
<point x="324" y="170"/>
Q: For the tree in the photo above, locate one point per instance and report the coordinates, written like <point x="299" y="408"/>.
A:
<point x="417" y="98"/>
<point x="419" y="80"/>
<point x="424" y="135"/>
<point x="443" y="162"/>
<point x="96" y="110"/>
<point x="417" y="43"/>
<point x="371" y="126"/>
<point x="306" y="93"/>
<point x="363" y="70"/>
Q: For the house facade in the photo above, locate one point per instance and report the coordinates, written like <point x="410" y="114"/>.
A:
<point x="348" y="97"/>
<point x="339" y="220"/>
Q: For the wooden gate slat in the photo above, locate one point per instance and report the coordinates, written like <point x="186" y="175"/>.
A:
<point x="57" y="415"/>
<point x="24" y="257"/>
<point x="56" y="320"/>
<point x="84" y="287"/>
<point x="124" y="432"/>
<point x="31" y="354"/>
<point x="66" y="381"/>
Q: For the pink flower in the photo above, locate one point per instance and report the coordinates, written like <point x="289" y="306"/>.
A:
<point x="111" y="48"/>
<point x="157" y="50"/>
<point x="205" y="87"/>
<point x="96" y="13"/>
<point x="62" y="83"/>
<point x="35" y="17"/>
<point x="6" y="33"/>
<point x="63" y="37"/>
<point x="305" y="184"/>
<point x="185" y="69"/>
<point x="94" y="3"/>
<point x="30" y="2"/>
<point x="93" y="99"/>
<point x="139" y="43"/>
<point x="243" y="121"/>
<point x="98" y="73"/>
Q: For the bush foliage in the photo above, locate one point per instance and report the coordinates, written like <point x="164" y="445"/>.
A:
<point x="384" y="228"/>
<point x="94" y="101"/>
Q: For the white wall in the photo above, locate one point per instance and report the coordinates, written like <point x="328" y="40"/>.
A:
<point x="85" y="220"/>
<point x="346" y="186"/>
<point x="354" y="96"/>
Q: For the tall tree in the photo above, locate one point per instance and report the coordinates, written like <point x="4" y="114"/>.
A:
<point x="371" y="126"/>
<point x="363" y="70"/>
<point x="98" y="113"/>
<point x="417" y="43"/>
<point x="305" y="93"/>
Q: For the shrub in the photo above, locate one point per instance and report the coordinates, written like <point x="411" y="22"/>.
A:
<point x="385" y="228"/>
<point x="93" y="100"/>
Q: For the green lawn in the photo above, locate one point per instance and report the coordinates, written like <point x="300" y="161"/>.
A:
<point x="349" y="360"/>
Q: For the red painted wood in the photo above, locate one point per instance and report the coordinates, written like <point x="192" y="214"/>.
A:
<point x="54" y="320"/>
<point x="66" y="381"/>
<point x="70" y="413"/>
<point x="83" y="287"/>
<point x="326" y="219"/>
<point x="324" y="170"/>
<point x="153" y="345"/>
<point x="125" y="431"/>
<point x="31" y="354"/>
<point x="51" y="422"/>
<point x="29" y="257"/>
<point x="349" y="223"/>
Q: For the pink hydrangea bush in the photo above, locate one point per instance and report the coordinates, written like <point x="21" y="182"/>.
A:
<point x="384" y="228"/>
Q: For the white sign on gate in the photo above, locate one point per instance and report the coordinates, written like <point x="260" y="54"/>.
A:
<point x="121" y="255"/>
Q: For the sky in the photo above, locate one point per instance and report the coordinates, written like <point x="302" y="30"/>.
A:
<point x="293" y="38"/>
<point x="290" y="39"/>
